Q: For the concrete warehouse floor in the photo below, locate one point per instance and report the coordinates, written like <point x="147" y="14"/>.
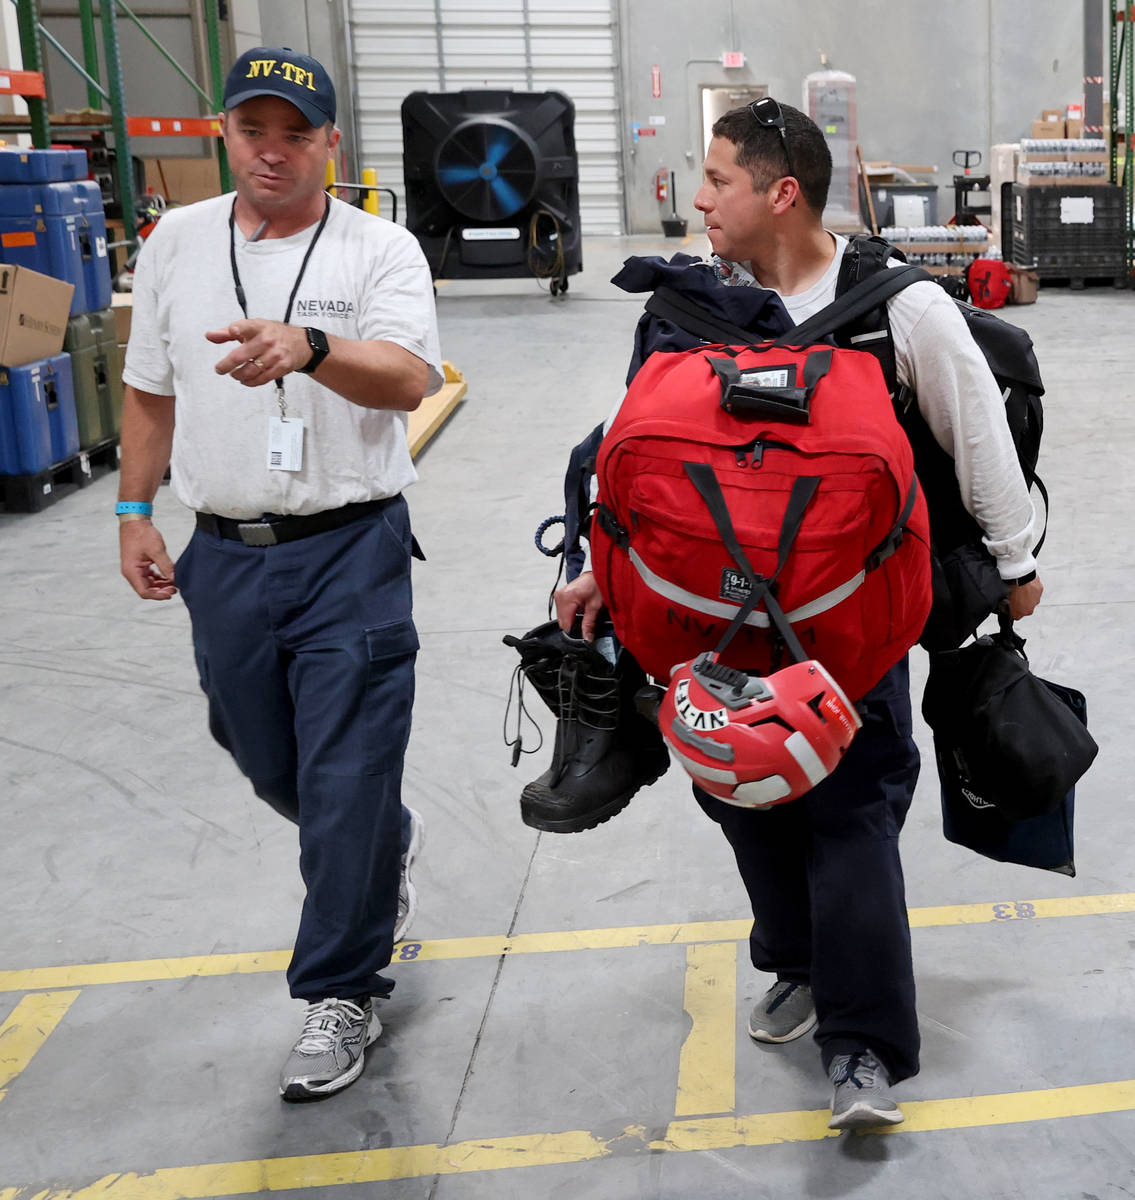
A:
<point x="569" y="1022"/>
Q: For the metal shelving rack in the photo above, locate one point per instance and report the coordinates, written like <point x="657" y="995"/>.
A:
<point x="1121" y="63"/>
<point x="121" y="125"/>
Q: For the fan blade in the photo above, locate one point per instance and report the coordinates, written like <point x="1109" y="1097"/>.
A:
<point x="450" y="175"/>
<point x="509" y="198"/>
<point x="501" y="145"/>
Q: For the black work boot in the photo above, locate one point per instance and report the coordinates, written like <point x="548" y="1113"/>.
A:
<point x="604" y="749"/>
<point x="541" y="651"/>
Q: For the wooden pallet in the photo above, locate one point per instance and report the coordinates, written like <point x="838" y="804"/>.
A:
<point x="435" y="410"/>
<point x="33" y="493"/>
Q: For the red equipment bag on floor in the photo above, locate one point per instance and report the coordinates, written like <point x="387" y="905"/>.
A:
<point x="989" y="282"/>
<point x="730" y="473"/>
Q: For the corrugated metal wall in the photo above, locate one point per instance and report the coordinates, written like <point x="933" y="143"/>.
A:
<point x="402" y="46"/>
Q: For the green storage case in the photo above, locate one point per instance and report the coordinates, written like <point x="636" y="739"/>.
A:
<point x="110" y="367"/>
<point x="79" y="342"/>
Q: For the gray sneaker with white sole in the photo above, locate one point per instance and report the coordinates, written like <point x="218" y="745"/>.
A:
<point x="861" y="1099"/>
<point x="329" y="1054"/>
<point x="407" y="893"/>
<point x="783" y="1013"/>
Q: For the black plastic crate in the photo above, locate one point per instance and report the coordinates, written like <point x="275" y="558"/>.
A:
<point x="1080" y="266"/>
<point x="1038" y="231"/>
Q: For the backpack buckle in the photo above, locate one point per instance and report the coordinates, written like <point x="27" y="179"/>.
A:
<point x="885" y="549"/>
<point x="611" y="527"/>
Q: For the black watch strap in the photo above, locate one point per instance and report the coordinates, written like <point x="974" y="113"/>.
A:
<point x="317" y="340"/>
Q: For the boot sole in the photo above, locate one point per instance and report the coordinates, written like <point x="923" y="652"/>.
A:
<point x="584" y="821"/>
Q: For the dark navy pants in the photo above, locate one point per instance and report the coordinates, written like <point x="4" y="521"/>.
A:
<point x="306" y="653"/>
<point x="826" y="886"/>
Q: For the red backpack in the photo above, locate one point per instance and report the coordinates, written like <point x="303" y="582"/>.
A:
<point x="989" y="282"/>
<point x="736" y="481"/>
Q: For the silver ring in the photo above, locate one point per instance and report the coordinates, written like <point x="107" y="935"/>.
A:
<point x="256" y="363"/>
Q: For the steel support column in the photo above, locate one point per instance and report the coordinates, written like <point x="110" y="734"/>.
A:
<point x="90" y="51"/>
<point x="122" y="157"/>
<point x="27" y="14"/>
<point x="217" y="83"/>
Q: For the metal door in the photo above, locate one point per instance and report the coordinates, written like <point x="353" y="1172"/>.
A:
<point x="402" y="46"/>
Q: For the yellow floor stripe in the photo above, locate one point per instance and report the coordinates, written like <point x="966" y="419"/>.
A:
<point x="574" y="1146"/>
<point x="145" y="971"/>
<point x="707" y="1066"/>
<point x="26" y="1029"/>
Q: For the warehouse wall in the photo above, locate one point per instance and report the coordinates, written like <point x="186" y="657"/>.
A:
<point x="929" y="78"/>
<point x="315" y="27"/>
<point x="151" y="86"/>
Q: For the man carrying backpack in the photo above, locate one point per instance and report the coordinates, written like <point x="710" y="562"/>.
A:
<point x="823" y="872"/>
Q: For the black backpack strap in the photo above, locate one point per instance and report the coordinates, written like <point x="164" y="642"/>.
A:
<point x="854" y="304"/>
<point x="893" y="540"/>
<point x="871" y="333"/>
<point x="687" y="314"/>
<point x="803" y="489"/>
<point x="1039" y="485"/>
<point x="864" y="257"/>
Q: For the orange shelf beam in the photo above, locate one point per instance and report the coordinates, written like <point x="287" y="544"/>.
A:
<point x="173" y="127"/>
<point x="22" y="83"/>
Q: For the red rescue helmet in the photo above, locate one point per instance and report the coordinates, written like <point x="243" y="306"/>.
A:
<point x="756" y="741"/>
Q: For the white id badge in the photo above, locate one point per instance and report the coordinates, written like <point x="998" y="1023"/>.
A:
<point x="285" y="443"/>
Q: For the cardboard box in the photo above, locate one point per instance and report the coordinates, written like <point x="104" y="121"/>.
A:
<point x="1052" y="114"/>
<point x="1003" y="168"/>
<point x="33" y="315"/>
<point x="1023" y="285"/>
<point x="123" y="305"/>
<point x="1053" y="128"/>
<point x="1074" y="127"/>
<point x="183" y="180"/>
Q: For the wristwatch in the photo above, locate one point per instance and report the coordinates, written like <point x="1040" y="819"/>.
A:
<point x="317" y="340"/>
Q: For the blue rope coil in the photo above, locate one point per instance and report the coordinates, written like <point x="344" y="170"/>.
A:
<point x="556" y="550"/>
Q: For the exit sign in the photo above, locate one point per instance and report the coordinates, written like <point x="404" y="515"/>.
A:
<point x="733" y="58"/>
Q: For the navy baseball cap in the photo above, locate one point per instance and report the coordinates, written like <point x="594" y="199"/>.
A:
<point x="280" y="71"/>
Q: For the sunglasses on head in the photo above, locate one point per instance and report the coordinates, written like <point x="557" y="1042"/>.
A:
<point x="767" y="112"/>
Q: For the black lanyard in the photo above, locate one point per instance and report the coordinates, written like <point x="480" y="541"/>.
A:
<point x="303" y="266"/>
<point x="295" y="287"/>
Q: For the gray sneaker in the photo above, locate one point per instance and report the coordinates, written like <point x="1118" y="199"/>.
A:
<point x="407" y="893"/>
<point x="861" y="1099"/>
<point x="329" y="1054"/>
<point x="784" y="1012"/>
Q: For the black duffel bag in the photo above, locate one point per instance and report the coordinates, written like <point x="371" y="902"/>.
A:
<point x="1003" y="735"/>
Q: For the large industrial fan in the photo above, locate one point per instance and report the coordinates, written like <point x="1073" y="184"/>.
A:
<point x="492" y="184"/>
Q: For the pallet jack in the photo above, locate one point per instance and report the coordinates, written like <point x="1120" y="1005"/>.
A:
<point x="965" y="185"/>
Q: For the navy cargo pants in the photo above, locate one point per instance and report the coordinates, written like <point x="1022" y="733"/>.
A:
<point x="826" y="886"/>
<point x="306" y="653"/>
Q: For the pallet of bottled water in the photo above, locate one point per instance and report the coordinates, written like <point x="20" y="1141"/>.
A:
<point x="1063" y="160"/>
<point x="953" y="246"/>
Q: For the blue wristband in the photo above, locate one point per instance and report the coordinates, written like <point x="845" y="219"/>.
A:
<point x="133" y="506"/>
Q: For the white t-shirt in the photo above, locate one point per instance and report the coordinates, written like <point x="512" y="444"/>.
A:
<point x="367" y="280"/>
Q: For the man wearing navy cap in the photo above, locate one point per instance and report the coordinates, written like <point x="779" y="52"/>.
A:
<point x="290" y="444"/>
